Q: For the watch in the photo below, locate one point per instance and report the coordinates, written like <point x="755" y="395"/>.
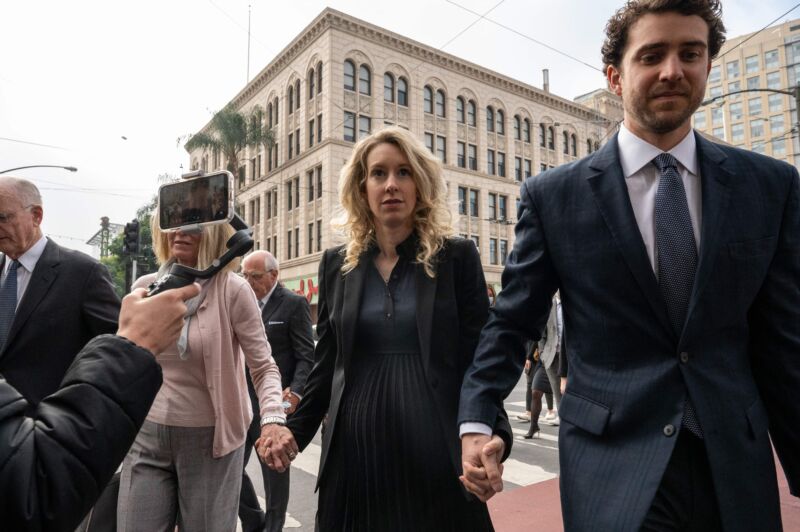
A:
<point x="273" y="420"/>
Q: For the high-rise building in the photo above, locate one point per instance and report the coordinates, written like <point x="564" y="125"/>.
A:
<point x="342" y="78"/>
<point x="764" y="65"/>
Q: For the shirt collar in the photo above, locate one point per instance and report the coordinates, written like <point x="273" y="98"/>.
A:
<point x="635" y="153"/>
<point x="266" y="297"/>
<point x="29" y="259"/>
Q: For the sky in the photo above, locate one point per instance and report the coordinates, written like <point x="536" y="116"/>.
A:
<point x="109" y="87"/>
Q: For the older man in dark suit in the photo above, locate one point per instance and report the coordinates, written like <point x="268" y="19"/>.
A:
<point x="287" y="319"/>
<point x="678" y="264"/>
<point x="52" y="300"/>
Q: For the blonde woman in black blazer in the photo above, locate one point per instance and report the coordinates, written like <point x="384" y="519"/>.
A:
<point x="400" y="310"/>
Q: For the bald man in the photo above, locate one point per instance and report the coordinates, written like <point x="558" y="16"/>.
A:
<point x="287" y="319"/>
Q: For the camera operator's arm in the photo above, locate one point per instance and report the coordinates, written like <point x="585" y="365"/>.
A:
<point x="56" y="457"/>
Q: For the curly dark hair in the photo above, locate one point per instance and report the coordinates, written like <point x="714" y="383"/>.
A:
<point x="619" y="24"/>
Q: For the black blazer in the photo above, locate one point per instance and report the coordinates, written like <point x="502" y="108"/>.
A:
<point x="738" y="356"/>
<point x="287" y="319"/>
<point x="70" y="299"/>
<point x="454" y="304"/>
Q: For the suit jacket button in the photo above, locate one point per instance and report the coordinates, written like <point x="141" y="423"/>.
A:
<point x="684" y="357"/>
<point x="669" y="430"/>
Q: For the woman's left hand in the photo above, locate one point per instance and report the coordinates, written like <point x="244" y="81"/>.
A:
<point x="276" y="447"/>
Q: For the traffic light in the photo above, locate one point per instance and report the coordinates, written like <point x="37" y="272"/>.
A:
<point x="130" y="242"/>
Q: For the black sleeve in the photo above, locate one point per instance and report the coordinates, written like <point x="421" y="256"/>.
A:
<point x="101" y="304"/>
<point x="302" y="344"/>
<point x="56" y="458"/>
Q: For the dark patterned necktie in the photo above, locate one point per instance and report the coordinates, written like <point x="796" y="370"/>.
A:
<point x="8" y="302"/>
<point x="677" y="255"/>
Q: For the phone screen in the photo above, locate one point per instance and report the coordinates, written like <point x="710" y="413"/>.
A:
<point x="200" y="200"/>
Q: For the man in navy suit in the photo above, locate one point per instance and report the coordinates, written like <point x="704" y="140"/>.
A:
<point x="678" y="264"/>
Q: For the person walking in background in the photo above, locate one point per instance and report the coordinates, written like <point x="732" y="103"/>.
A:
<point x="287" y="319"/>
<point x="550" y="354"/>
<point x="540" y="386"/>
<point x="400" y="310"/>
<point x="185" y="466"/>
<point x="681" y="315"/>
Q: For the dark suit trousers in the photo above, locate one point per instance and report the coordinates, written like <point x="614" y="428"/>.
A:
<point x="685" y="499"/>
<point x="276" y="486"/>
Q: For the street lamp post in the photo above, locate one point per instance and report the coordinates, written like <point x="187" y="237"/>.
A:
<point x="69" y="168"/>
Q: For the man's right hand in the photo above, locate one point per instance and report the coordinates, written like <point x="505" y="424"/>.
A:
<point x="154" y="323"/>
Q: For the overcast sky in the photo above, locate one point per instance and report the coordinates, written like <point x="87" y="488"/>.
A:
<point x="78" y="76"/>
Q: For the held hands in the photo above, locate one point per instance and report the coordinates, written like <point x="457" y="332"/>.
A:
<point x="276" y="447"/>
<point x="154" y="323"/>
<point x="483" y="471"/>
<point x="292" y="399"/>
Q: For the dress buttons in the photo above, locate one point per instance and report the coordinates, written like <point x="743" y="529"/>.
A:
<point x="684" y="357"/>
<point x="669" y="430"/>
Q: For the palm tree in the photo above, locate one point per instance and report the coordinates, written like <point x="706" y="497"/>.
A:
<point x="230" y="131"/>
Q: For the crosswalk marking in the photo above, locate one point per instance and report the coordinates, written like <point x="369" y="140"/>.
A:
<point x="524" y="474"/>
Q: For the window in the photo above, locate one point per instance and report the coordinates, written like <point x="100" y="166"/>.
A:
<point x="754" y="82"/>
<point x="527" y="172"/>
<point x="719" y="132"/>
<point x="501" y="122"/>
<point x="289" y="244"/>
<point x="310" y="245"/>
<point x="526" y="130"/>
<point x="573" y="144"/>
<point x="517" y="128"/>
<point x="501" y="164"/>
<point x="491" y="206"/>
<point x="311" y="131"/>
<point x="542" y="168"/>
<point x="297" y="191"/>
<point x="388" y="88"/>
<point x="566" y="142"/>
<point x="778" y="147"/>
<point x="733" y="87"/>
<point x="751" y="64"/>
<point x="289" y="202"/>
<point x="502" y="207"/>
<point x="319" y="128"/>
<point x="460" y="113"/>
<point x="364" y="80"/>
<point x="269" y="204"/>
<point x="310" y="185"/>
<point x="503" y="251"/>
<point x="310" y="83"/>
<point x="757" y="128"/>
<point x="349" y="126"/>
<point x="733" y="69"/>
<point x="290" y="98"/>
<point x="776" y="124"/>
<point x="736" y="111"/>
<point x="402" y="92"/>
<point x="428" y="99"/>
<point x="472" y="151"/>
<point x="297" y="142"/>
<point x="518" y="168"/>
<point x="775" y="102"/>
<point x="542" y="134"/>
<point x="349" y="75"/>
<point x="462" y="200"/>
<point x="275" y="106"/>
<point x="461" y="154"/>
<point x="492" y="251"/>
<point x="758" y="147"/>
<point x="589" y="142"/>
<point x="754" y="105"/>
<point x="440" y="103"/>
<point x="473" y="202"/>
<point x="441" y="148"/>
<point x="737" y="132"/>
<point x="771" y="59"/>
<point x="319" y="77"/>
<point x="715" y="92"/>
<point x="476" y="239"/>
<point x="291" y="145"/>
<point x="319" y="182"/>
<point x="715" y="75"/>
<point x="429" y="141"/>
<point x="490" y="119"/>
<point x="319" y="235"/>
<point x="269" y="115"/>
<point x="490" y="169"/>
<point x="364" y="126"/>
<point x="551" y="138"/>
<point x="774" y="80"/>
<point x="297" y="95"/>
<point x="471" y="113"/>
<point x="716" y="116"/>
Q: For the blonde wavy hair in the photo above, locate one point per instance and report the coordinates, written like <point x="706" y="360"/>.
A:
<point x="432" y="216"/>
<point x="212" y="244"/>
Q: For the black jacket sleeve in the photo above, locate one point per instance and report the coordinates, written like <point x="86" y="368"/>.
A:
<point x="56" y="457"/>
<point x="302" y="340"/>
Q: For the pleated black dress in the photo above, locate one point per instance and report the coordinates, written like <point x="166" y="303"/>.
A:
<point x="388" y="469"/>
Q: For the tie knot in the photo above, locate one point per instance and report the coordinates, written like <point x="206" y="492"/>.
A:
<point x="13" y="266"/>
<point x="664" y="161"/>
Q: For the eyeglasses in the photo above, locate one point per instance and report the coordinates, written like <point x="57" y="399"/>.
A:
<point x="6" y="217"/>
<point x="255" y="275"/>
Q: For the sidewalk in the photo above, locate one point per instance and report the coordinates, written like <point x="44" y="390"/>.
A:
<point x="538" y="506"/>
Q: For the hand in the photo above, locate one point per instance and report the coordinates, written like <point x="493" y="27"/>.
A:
<point x="563" y="385"/>
<point x="527" y="366"/>
<point x="483" y="471"/>
<point x="154" y="323"/>
<point x="293" y="400"/>
<point x="276" y="447"/>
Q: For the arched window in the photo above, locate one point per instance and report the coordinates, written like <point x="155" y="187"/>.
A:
<point x="501" y="122"/>
<point x="388" y="87"/>
<point x="364" y="80"/>
<point x="542" y="133"/>
<point x="573" y="144"/>
<point x="319" y="77"/>
<point x="551" y="138"/>
<point x="402" y="92"/>
<point x="526" y="130"/>
<point x="460" y="114"/>
<point x="517" y="128"/>
<point x="440" y="103"/>
<point x="566" y="142"/>
<point x="269" y="114"/>
<point x="275" y="106"/>
<point x="290" y="98"/>
<point x="297" y="95"/>
<point x="489" y="118"/>
<point x="349" y="75"/>
<point x="428" y="99"/>
<point x="472" y="111"/>
<point x="310" y="84"/>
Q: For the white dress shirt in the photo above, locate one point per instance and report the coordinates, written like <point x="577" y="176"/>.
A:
<point x="27" y="262"/>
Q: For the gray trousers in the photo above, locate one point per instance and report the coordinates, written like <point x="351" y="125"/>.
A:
<point x="555" y="381"/>
<point x="170" y="477"/>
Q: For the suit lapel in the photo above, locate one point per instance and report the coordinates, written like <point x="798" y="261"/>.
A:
<point x="611" y="195"/>
<point x="43" y="276"/>
<point x="425" y="295"/>
<point x="352" y="287"/>
<point x="272" y="305"/>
